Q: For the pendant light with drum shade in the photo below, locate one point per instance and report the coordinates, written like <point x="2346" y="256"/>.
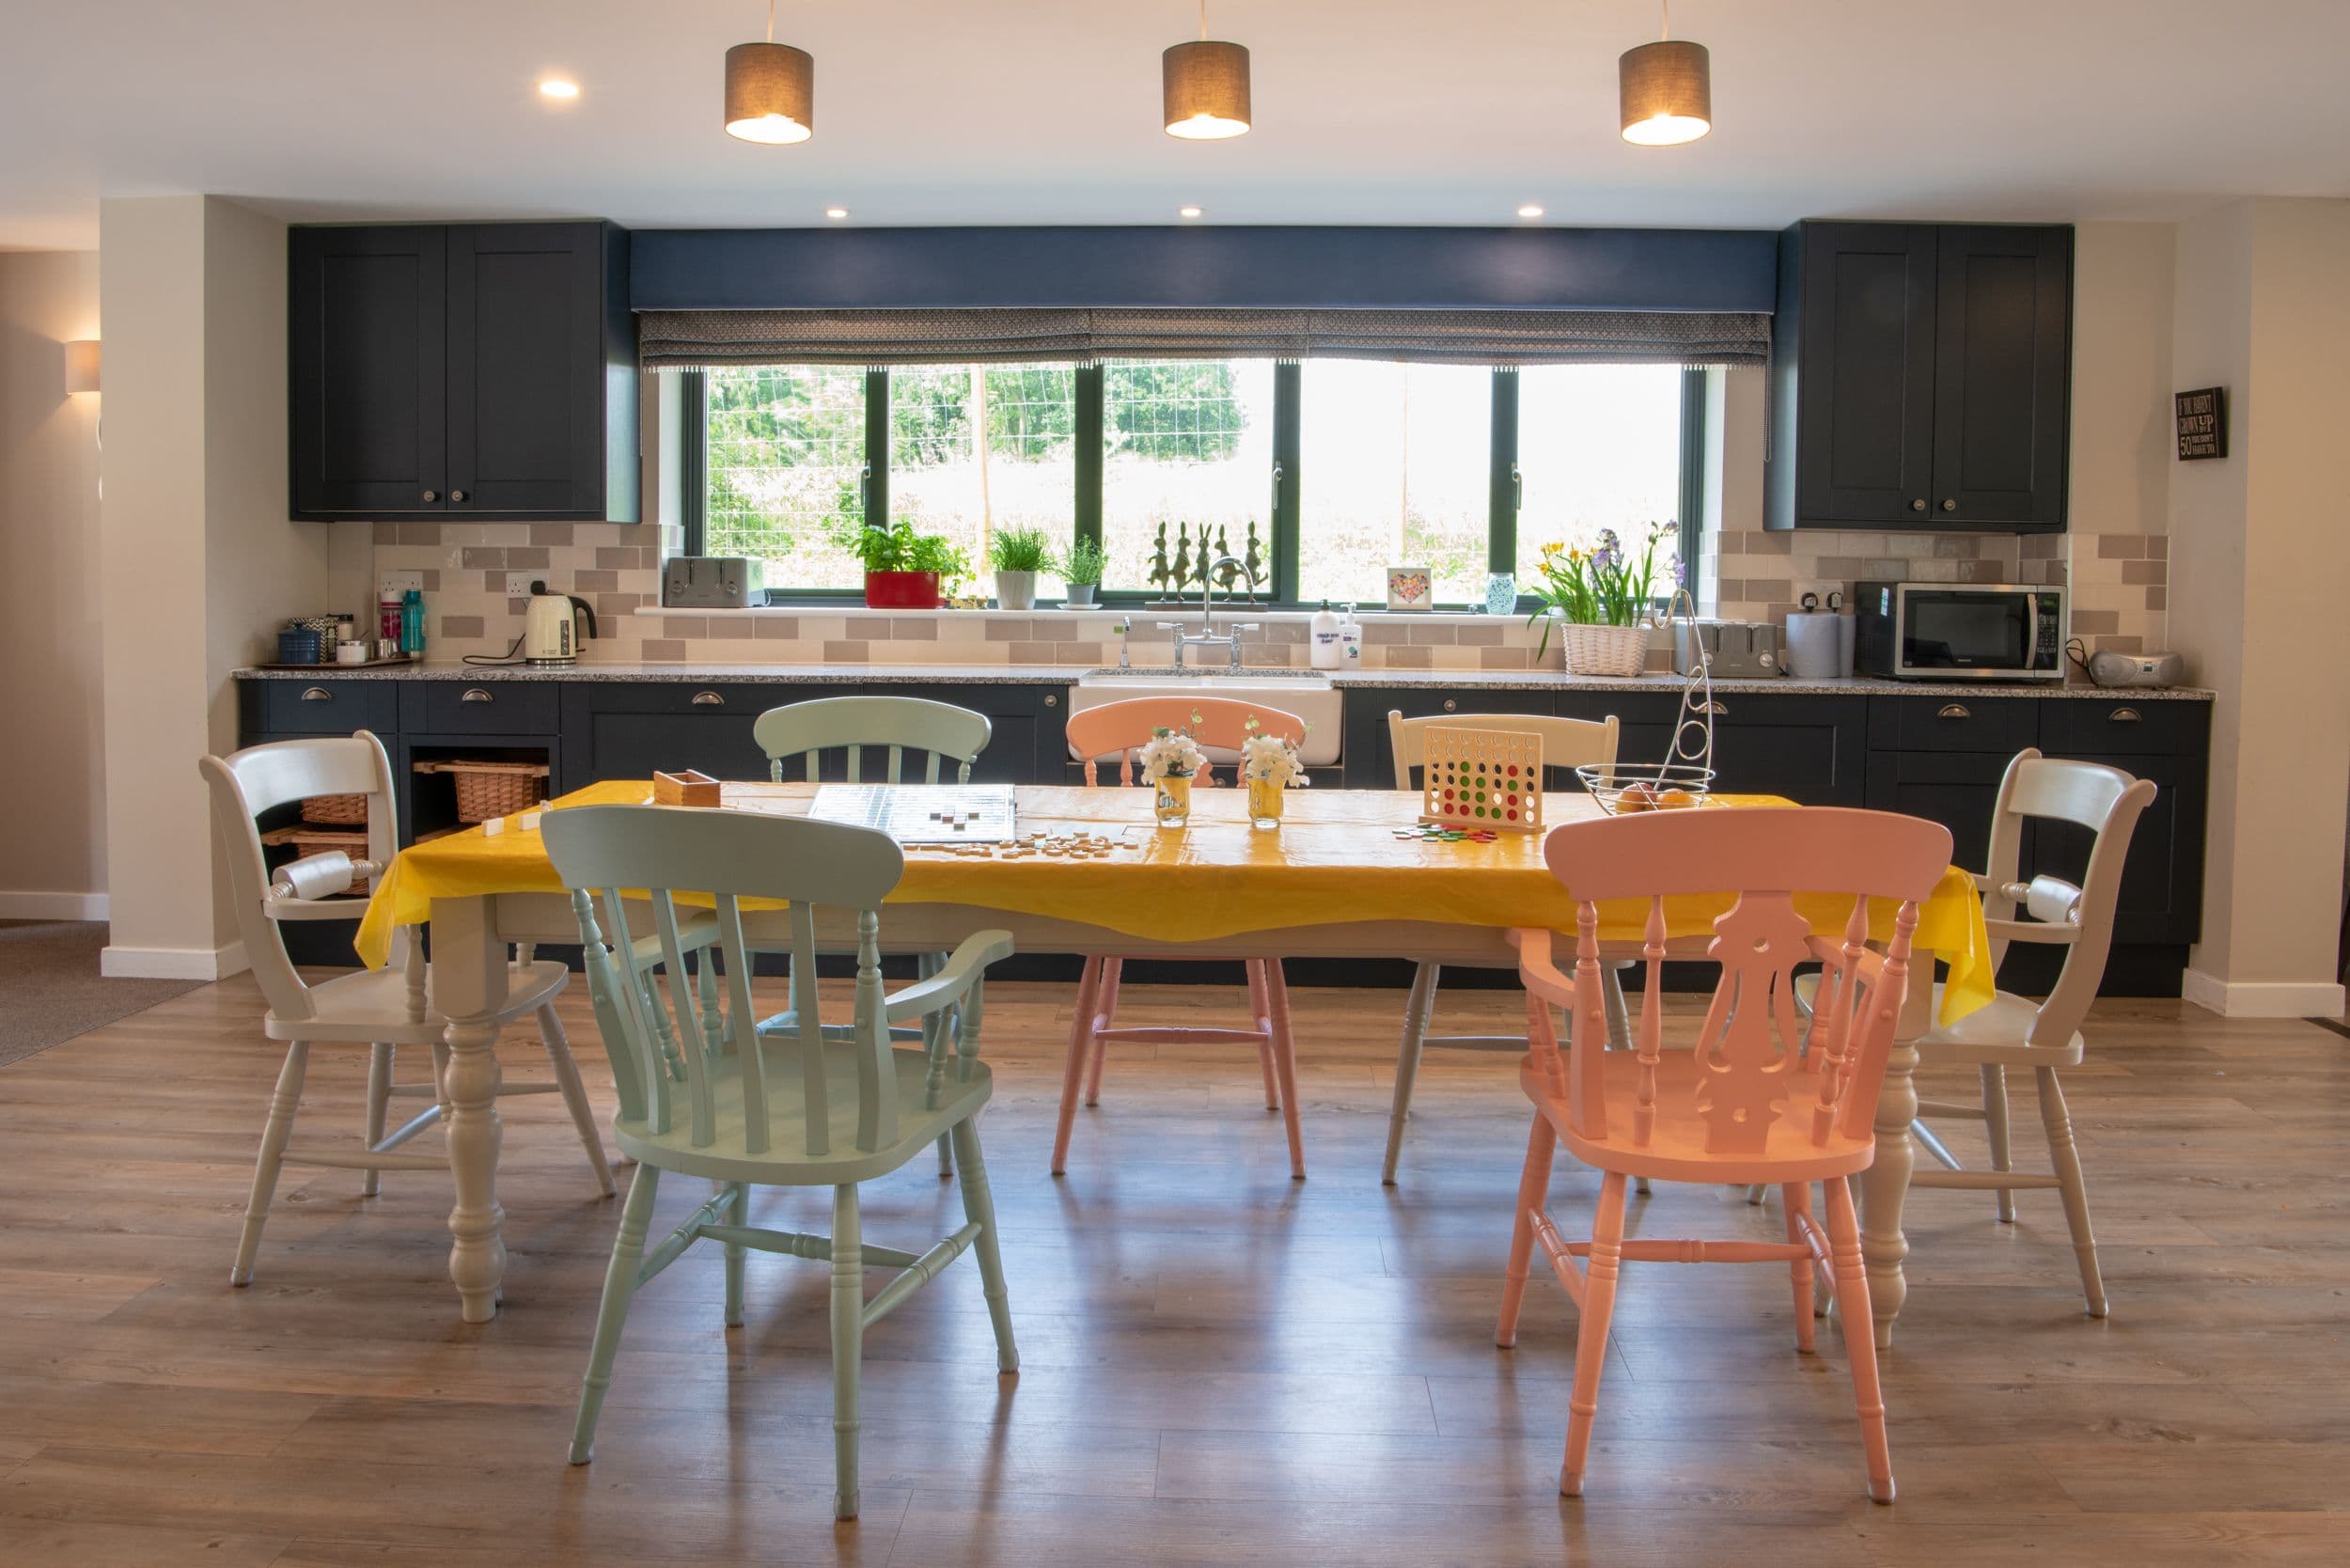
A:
<point x="1666" y="90"/>
<point x="771" y="91"/>
<point x="1204" y="84"/>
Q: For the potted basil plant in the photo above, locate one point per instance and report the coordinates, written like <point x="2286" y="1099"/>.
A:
<point x="1018" y="555"/>
<point x="1082" y="570"/>
<point x="902" y="567"/>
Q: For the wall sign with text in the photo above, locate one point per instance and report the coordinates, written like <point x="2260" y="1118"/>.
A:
<point x="2202" y="423"/>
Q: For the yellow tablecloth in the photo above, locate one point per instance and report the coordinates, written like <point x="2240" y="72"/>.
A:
<point x="1335" y="860"/>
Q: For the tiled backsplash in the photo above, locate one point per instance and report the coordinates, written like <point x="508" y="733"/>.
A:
<point x="2119" y="585"/>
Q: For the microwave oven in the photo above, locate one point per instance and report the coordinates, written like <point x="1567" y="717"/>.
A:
<point x="1958" y="632"/>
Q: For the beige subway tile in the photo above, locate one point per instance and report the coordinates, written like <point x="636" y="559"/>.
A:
<point x="1886" y="569"/>
<point x="661" y="650"/>
<point x="2087" y="622"/>
<point x="2158" y="546"/>
<point x="614" y="558"/>
<point x="907" y="628"/>
<point x="2121" y="546"/>
<point x="431" y="575"/>
<point x="1478" y="634"/>
<point x="2158" y="598"/>
<point x="1034" y="653"/>
<point x="1769" y="589"/>
<point x="1434" y="634"/>
<point x="482" y="556"/>
<point x="1010" y="630"/>
<point x="595" y="581"/>
<point x="527" y="558"/>
<point x="1384" y="634"/>
<point x="1454" y="657"/>
<point x="1086" y="653"/>
<point x="2149" y="574"/>
<point x="462" y="626"/>
<point x="1761" y="541"/>
<point x="1398" y="656"/>
<point x="1505" y="658"/>
<point x="777" y="628"/>
<point x="2119" y="644"/>
<point x="616" y="609"/>
<point x="684" y="626"/>
<point x="733" y="628"/>
<point x="1288" y="631"/>
<point x="873" y="628"/>
<point x="1939" y="572"/>
<point x="494" y="581"/>
<point x="551" y="533"/>
<point x="848" y="652"/>
<point x="418" y="533"/>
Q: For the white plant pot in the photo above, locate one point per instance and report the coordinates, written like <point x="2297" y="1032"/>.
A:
<point x="1603" y="650"/>
<point x="1081" y="595"/>
<point x="1015" y="590"/>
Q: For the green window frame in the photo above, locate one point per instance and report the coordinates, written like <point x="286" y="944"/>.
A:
<point x="1285" y="483"/>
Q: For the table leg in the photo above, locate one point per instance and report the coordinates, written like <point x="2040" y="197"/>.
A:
<point x="469" y="984"/>
<point x="1884" y="1185"/>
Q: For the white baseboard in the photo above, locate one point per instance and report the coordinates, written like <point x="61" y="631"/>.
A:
<point x="193" y="964"/>
<point x="52" y="907"/>
<point x="2262" y="999"/>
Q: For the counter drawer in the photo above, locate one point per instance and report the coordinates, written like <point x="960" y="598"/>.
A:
<point x="2080" y="726"/>
<point x="300" y="706"/>
<point x="478" y="707"/>
<point x="1952" y="720"/>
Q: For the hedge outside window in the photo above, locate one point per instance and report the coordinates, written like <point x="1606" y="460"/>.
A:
<point x="944" y="479"/>
<point x="1183" y="441"/>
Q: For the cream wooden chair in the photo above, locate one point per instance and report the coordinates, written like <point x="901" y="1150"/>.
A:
<point x="818" y="1108"/>
<point x="2016" y="1031"/>
<point x="382" y="1010"/>
<point x="1566" y="744"/>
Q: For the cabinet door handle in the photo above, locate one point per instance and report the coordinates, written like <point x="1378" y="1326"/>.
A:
<point x="708" y="699"/>
<point x="1949" y="505"/>
<point x="2124" y="716"/>
<point x="1051" y="700"/>
<point x="317" y="694"/>
<point x="456" y="495"/>
<point x="1718" y="709"/>
<point x="1952" y="711"/>
<point x="1450" y="705"/>
<point x="475" y="694"/>
<point x="1917" y="505"/>
<point x="431" y="497"/>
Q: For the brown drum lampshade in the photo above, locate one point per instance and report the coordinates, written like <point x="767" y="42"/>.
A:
<point x="770" y="93"/>
<point x="1667" y="93"/>
<point x="1206" y="91"/>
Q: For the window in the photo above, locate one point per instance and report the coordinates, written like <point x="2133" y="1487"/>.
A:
<point x="1183" y="441"/>
<point x="1323" y="474"/>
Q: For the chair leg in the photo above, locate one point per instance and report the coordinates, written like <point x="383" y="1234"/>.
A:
<point x="1860" y="1344"/>
<point x="1416" y="1009"/>
<point x="1285" y="1063"/>
<point x="978" y="1206"/>
<point x="378" y="1102"/>
<point x="1104" y="1014"/>
<point x="848" y="1344"/>
<point x="1995" y="1124"/>
<point x="574" y="1095"/>
<point x="738" y="1213"/>
<point x="1533" y="1187"/>
<point x="1261" y="1014"/>
<point x="2067" y="1160"/>
<point x="1590" y="1340"/>
<point x="283" y="1103"/>
<point x="619" y="1288"/>
<point x="1073" y="1076"/>
<point x="1795" y="1196"/>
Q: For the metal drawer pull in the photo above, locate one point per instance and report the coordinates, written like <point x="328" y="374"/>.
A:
<point x="475" y="694"/>
<point x="1952" y="711"/>
<point x="708" y="699"/>
<point x="2124" y="716"/>
<point x="318" y="694"/>
<point x="1051" y="700"/>
<point x="1718" y="709"/>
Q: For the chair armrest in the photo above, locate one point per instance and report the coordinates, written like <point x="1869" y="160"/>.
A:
<point x="1536" y="970"/>
<point x="961" y="970"/>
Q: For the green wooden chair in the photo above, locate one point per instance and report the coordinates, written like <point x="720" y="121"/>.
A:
<point x="803" y="731"/>
<point x="814" y="1108"/>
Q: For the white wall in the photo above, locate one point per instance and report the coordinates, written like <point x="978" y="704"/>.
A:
<point x="198" y="557"/>
<point x="52" y="858"/>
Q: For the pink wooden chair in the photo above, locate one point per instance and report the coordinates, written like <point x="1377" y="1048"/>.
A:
<point x="1742" y="1107"/>
<point x="1217" y="724"/>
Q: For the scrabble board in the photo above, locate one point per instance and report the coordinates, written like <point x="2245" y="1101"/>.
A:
<point x="1481" y="779"/>
<point x="921" y="813"/>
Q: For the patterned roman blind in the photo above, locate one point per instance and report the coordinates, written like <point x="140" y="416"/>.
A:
<point x="703" y="339"/>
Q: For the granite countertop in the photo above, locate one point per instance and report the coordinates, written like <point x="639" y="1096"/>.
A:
<point x="1062" y="674"/>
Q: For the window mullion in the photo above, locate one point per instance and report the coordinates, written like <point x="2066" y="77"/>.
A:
<point x="1502" y="528"/>
<point x="1086" y="424"/>
<point x="877" y="449"/>
<point x="1288" y="383"/>
<point x="694" y="460"/>
<point x="1693" y="440"/>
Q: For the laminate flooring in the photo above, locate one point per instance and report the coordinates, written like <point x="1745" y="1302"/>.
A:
<point x="1219" y="1365"/>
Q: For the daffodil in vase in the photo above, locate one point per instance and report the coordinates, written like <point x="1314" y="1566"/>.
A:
<point x="1269" y="766"/>
<point x="1604" y="598"/>
<point x="1170" y="760"/>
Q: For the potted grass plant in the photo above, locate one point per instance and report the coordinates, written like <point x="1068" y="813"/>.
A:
<point x="903" y="567"/>
<point x="1604" y="599"/>
<point x="1082" y="570"/>
<point x="1019" y="556"/>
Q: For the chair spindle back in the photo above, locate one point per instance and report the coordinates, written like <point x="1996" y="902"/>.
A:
<point x="1221" y="723"/>
<point x="805" y="731"/>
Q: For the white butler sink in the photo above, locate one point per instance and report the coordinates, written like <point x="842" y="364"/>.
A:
<point x="1310" y="697"/>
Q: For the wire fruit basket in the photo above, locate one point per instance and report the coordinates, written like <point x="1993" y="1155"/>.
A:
<point x="1686" y="777"/>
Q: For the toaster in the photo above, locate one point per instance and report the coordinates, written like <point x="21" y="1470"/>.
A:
<point x="1737" y="649"/>
<point x="713" y="583"/>
<point x="2110" y="668"/>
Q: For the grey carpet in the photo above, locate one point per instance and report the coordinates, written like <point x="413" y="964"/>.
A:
<point x="51" y="991"/>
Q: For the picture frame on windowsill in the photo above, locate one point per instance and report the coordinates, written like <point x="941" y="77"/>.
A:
<point x="1411" y="589"/>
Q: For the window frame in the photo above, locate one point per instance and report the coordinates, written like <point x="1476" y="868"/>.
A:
<point x="1506" y="487"/>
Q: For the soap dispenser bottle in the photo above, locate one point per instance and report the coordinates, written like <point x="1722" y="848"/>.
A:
<point x="1321" y="638"/>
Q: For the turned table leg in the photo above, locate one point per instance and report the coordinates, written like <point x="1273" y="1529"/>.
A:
<point x="469" y="985"/>
<point x="1884" y="1185"/>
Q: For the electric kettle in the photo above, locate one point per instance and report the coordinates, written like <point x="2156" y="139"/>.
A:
<point x="551" y="626"/>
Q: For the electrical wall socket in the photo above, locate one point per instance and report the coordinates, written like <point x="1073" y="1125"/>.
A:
<point x="1820" y="592"/>
<point x="391" y="585"/>
<point x="518" y="583"/>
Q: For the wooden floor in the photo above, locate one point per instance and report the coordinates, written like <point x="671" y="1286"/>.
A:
<point x="1219" y="1365"/>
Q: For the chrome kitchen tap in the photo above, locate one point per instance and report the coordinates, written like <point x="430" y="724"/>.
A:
<point x="1230" y="642"/>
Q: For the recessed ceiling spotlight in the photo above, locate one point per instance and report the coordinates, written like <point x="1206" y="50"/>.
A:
<point x="1529" y="211"/>
<point x="558" y="86"/>
<point x="836" y="211"/>
<point x="1186" y="211"/>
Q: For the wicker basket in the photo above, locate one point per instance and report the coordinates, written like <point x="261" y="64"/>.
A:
<point x="1603" y="650"/>
<point x="335" y="810"/>
<point x="487" y="790"/>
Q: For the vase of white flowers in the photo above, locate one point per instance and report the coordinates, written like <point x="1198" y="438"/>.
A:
<point x="1269" y="765"/>
<point x="1170" y="760"/>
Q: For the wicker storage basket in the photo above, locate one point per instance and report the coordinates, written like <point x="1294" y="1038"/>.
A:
<point x="1605" y="650"/>
<point x="335" y="810"/>
<point x="487" y="790"/>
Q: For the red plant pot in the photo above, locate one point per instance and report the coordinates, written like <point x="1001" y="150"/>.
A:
<point x="901" y="590"/>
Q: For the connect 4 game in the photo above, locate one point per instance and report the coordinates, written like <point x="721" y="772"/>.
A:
<point x="1482" y="779"/>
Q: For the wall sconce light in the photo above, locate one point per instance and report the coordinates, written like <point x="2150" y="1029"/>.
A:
<point x="81" y="365"/>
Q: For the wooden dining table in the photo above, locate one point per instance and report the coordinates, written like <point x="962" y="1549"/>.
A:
<point x="1334" y="880"/>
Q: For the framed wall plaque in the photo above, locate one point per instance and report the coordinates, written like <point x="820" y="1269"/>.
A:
<point x="2203" y="417"/>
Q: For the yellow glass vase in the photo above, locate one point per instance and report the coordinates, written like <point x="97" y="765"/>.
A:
<point x="1264" y="804"/>
<point x="1173" y="803"/>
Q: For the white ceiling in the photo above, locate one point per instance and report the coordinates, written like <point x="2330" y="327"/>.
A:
<point x="1044" y="111"/>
